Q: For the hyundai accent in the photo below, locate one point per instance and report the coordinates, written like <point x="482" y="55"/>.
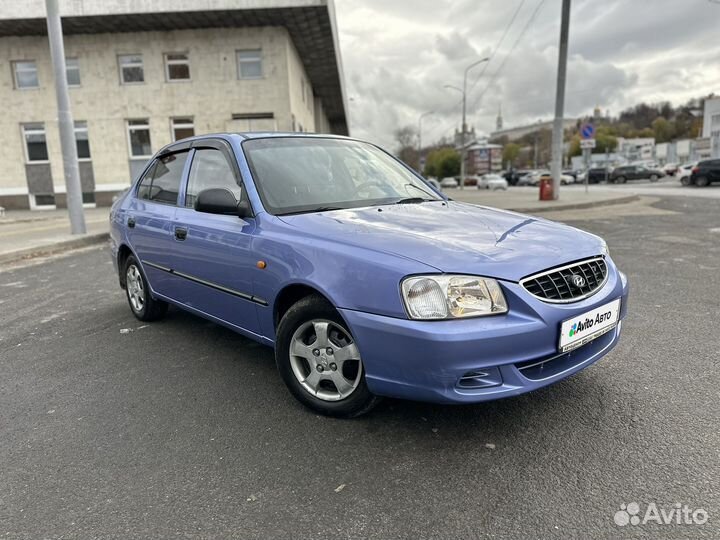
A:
<point x="365" y="280"/>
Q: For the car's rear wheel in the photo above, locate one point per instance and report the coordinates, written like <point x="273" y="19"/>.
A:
<point x="142" y="304"/>
<point x="685" y="181"/>
<point x="653" y="178"/>
<point x="319" y="360"/>
<point x="702" y="181"/>
<point x="620" y="180"/>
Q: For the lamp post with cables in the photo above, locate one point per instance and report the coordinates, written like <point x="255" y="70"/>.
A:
<point x="463" y="91"/>
<point x="420" y="119"/>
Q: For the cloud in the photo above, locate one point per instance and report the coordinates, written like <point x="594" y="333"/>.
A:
<point x="398" y="56"/>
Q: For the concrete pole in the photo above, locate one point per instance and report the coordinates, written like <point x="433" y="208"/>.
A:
<point x="420" y="118"/>
<point x="557" y="139"/>
<point x="73" y="188"/>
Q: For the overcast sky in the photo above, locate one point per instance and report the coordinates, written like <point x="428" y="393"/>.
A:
<point x="398" y="54"/>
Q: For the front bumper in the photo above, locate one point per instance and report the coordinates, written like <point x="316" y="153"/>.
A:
<point x="511" y="354"/>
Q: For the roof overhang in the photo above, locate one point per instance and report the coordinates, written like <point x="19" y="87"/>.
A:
<point x="310" y="23"/>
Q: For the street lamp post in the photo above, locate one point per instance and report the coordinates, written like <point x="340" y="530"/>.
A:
<point x="464" y="125"/>
<point x="420" y="118"/>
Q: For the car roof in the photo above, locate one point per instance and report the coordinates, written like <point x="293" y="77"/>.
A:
<point x="227" y="136"/>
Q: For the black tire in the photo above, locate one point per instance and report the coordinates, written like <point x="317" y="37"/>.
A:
<point x="702" y="181"/>
<point x="312" y="308"/>
<point x="620" y="180"/>
<point x="685" y="181"/>
<point x="151" y="308"/>
<point x="653" y="178"/>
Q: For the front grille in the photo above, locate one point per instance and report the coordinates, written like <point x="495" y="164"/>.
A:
<point x="558" y="286"/>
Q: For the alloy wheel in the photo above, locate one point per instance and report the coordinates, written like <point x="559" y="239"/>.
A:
<point x="135" y="288"/>
<point x="325" y="360"/>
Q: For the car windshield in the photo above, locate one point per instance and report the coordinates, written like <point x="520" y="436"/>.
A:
<point x="310" y="174"/>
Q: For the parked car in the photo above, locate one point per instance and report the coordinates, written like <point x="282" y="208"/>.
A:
<point x="524" y="177"/>
<point x="670" y="169"/>
<point x="449" y="182"/>
<point x="492" y="182"/>
<point x="564" y="178"/>
<point x="596" y="175"/>
<point x="570" y="172"/>
<point x="471" y="180"/>
<point x="705" y="172"/>
<point x="364" y="281"/>
<point x="684" y="172"/>
<point x="434" y="183"/>
<point x="512" y="176"/>
<point x="620" y="175"/>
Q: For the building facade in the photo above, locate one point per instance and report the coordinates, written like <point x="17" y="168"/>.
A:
<point x="139" y="80"/>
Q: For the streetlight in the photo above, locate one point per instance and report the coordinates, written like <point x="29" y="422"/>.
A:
<point x="464" y="126"/>
<point x="423" y="115"/>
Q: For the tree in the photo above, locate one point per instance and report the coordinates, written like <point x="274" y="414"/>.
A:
<point x="406" y="151"/>
<point x="510" y="153"/>
<point x="663" y="129"/>
<point x="442" y="162"/>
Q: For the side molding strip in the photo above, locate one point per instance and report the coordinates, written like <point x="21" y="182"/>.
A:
<point x="239" y="294"/>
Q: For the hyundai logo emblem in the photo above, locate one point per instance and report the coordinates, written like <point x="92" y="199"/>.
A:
<point x="578" y="281"/>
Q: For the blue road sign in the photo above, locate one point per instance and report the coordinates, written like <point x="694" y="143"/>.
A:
<point x="587" y="131"/>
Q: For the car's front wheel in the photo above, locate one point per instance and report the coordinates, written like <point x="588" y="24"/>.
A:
<point x="142" y="304"/>
<point x="620" y="180"/>
<point x="685" y="181"/>
<point x="319" y="360"/>
<point x="653" y="178"/>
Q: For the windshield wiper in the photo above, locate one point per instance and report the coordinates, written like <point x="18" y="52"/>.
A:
<point x="413" y="200"/>
<point x="311" y="210"/>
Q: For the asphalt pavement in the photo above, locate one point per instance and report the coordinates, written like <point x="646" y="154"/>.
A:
<point x="111" y="428"/>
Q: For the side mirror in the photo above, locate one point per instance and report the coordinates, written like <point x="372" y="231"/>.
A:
<point x="221" y="201"/>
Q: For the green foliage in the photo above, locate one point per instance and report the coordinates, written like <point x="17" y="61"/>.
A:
<point x="442" y="162"/>
<point x="511" y="151"/>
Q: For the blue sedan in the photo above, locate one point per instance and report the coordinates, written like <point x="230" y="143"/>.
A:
<point x="365" y="280"/>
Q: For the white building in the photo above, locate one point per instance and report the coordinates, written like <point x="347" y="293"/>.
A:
<point x="143" y="74"/>
<point x="711" y="118"/>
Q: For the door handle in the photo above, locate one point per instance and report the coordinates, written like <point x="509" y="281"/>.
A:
<point x="180" y="233"/>
<point x="131" y="222"/>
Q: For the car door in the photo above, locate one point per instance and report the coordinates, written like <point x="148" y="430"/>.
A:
<point x="714" y="170"/>
<point x="213" y="254"/>
<point x="150" y="217"/>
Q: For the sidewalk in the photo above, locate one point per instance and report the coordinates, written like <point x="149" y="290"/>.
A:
<point x="25" y="234"/>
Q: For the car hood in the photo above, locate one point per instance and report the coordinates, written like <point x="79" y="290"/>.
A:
<point x="455" y="237"/>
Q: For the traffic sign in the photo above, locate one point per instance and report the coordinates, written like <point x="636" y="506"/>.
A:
<point x="587" y="143"/>
<point x="587" y="131"/>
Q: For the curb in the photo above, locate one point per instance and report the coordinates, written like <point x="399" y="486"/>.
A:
<point x="576" y="206"/>
<point x="51" y="249"/>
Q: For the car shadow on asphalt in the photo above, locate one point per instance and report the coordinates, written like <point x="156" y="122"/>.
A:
<point x="578" y="399"/>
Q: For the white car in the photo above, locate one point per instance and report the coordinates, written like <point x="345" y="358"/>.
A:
<point x="684" y="172"/>
<point x="492" y="181"/>
<point x="449" y="182"/>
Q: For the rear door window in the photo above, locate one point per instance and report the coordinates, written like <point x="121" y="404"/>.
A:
<point x="161" y="184"/>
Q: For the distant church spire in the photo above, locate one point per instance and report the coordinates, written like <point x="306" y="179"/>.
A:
<point x="499" y="120"/>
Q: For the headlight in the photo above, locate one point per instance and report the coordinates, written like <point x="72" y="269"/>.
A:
<point x="452" y="296"/>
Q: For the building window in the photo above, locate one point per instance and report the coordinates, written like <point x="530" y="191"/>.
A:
<point x="242" y="122"/>
<point x="131" y="69"/>
<point x="182" y="128"/>
<point x="81" y="140"/>
<point x="72" y="71"/>
<point x="25" y="74"/>
<point x="249" y="64"/>
<point x="43" y="200"/>
<point x="177" y="67"/>
<point x="139" y="138"/>
<point x="35" y="142"/>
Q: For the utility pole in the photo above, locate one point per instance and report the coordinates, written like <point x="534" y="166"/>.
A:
<point x="464" y="124"/>
<point x="557" y="139"/>
<point x="420" y="118"/>
<point x="73" y="189"/>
